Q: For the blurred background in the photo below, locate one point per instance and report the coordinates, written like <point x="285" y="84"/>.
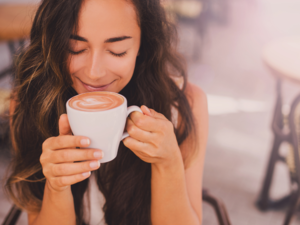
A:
<point x="223" y="42"/>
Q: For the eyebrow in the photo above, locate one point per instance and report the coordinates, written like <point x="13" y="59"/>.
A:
<point x="109" y="40"/>
<point x="78" y="38"/>
<point x="115" y="39"/>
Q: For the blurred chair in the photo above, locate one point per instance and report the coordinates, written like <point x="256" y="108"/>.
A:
<point x="293" y="159"/>
<point x="282" y="58"/>
<point x="4" y="107"/>
<point x="12" y="216"/>
<point x="218" y="206"/>
<point x="197" y="14"/>
<point x="223" y="219"/>
<point x="15" y="25"/>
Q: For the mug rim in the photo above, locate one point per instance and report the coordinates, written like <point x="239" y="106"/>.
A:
<point x="77" y="110"/>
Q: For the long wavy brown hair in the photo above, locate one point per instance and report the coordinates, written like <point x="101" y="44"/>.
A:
<point x="43" y="85"/>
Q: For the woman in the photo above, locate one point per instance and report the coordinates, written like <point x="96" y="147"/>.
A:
<point x="121" y="46"/>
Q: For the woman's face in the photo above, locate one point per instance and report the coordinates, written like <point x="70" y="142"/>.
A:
<point x="103" y="53"/>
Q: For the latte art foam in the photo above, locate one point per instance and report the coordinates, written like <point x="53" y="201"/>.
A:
<point x="96" y="101"/>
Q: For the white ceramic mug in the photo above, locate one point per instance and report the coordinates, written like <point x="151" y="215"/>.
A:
<point x="105" y="129"/>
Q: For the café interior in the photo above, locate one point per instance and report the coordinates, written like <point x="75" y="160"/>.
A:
<point x="245" y="55"/>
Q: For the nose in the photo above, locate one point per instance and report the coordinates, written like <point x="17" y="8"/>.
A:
<point x="96" y="67"/>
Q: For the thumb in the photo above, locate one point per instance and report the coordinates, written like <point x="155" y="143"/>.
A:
<point x="64" y="126"/>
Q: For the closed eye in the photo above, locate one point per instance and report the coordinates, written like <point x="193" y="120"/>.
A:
<point x="114" y="54"/>
<point x="76" y="53"/>
<point x="118" y="55"/>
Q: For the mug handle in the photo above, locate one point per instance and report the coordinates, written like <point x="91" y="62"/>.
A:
<point x="130" y="109"/>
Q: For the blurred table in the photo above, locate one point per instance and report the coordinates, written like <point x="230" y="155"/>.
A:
<point x="282" y="57"/>
<point x="16" y="21"/>
<point x="15" y="25"/>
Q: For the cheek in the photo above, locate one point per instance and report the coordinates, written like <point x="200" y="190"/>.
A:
<point x="122" y="67"/>
<point x="76" y="63"/>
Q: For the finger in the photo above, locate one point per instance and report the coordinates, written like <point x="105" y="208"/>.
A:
<point x="72" y="155"/>
<point x="152" y="112"/>
<point x="69" y="180"/>
<point x="140" y="149"/>
<point x="137" y="133"/>
<point x="146" y="110"/>
<point x="134" y="144"/>
<point x="67" y="169"/>
<point x="145" y="122"/>
<point x="66" y="141"/>
<point x="64" y="126"/>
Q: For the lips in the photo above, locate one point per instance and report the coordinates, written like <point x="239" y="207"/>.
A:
<point x="96" y="88"/>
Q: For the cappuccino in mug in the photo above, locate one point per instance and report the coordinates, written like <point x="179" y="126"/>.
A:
<point x="96" y="101"/>
<point x="100" y="116"/>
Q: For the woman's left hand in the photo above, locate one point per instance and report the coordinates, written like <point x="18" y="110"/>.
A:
<point x="152" y="137"/>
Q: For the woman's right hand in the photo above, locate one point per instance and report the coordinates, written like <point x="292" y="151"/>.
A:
<point x="63" y="164"/>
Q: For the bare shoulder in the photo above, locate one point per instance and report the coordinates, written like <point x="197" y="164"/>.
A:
<point x="194" y="170"/>
<point x="196" y="96"/>
<point x="198" y="102"/>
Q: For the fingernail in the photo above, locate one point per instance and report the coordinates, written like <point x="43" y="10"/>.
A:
<point x="85" y="142"/>
<point x="148" y="110"/>
<point x="95" y="164"/>
<point x="98" y="154"/>
<point x="86" y="174"/>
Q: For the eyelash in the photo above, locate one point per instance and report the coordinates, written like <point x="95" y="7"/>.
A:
<point x="75" y="53"/>
<point x="119" y="55"/>
<point x="114" y="54"/>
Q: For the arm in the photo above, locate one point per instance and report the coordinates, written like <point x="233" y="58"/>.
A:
<point x="54" y="202"/>
<point x="175" y="192"/>
<point x="57" y="161"/>
<point x="57" y="208"/>
<point x="194" y="174"/>
<point x="63" y="165"/>
<point x="56" y="205"/>
<point x="170" y="202"/>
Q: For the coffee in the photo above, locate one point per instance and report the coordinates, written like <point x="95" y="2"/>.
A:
<point x="96" y="101"/>
<point x="89" y="116"/>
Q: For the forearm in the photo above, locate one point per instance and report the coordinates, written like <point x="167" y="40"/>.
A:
<point x="57" y="208"/>
<point x="170" y="203"/>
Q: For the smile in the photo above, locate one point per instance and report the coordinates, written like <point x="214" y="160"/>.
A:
<point x="96" y="88"/>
